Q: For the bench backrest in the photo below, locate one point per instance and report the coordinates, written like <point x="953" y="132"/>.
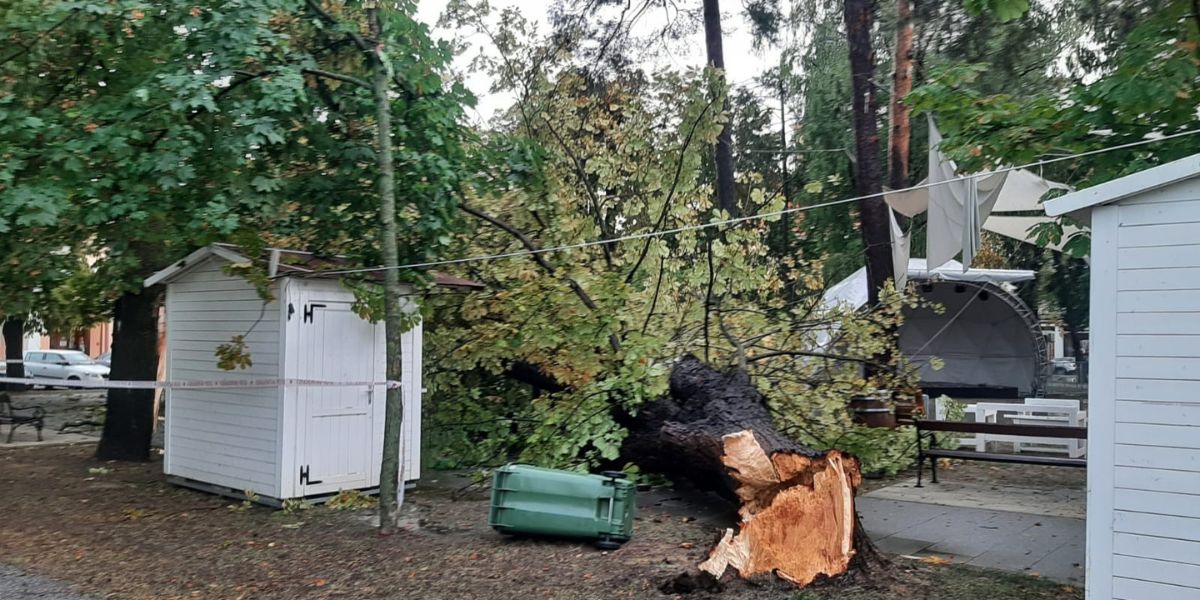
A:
<point x="1045" y="431"/>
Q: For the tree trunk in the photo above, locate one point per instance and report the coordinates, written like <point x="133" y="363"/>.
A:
<point x="129" y="416"/>
<point x="1077" y="353"/>
<point x="784" y="71"/>
<point x="873" y="216"/>
<point x="723" y="154"/>
<point x="14" y="345"/>
<point x="902" y="84"/>
<point x="391" y="476"/>
<point x="797" y="516"/>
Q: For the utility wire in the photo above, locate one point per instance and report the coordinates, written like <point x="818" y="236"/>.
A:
<point x="747" y="218"/>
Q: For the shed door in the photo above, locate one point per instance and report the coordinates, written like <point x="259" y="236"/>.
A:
<point x="335" y="345"/>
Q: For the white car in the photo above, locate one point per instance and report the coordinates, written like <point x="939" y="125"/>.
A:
<point x="70" y="365"/>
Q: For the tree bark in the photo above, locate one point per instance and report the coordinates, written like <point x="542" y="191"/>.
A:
<point x="723" y="153"/>
<point x="797" y="516"/>
<point x="14" y="345"/>
<point x="873" y="216"/>
<point x="902" y="84"/>
<point x="129" y="416"/>
<point x="391" y="476"/>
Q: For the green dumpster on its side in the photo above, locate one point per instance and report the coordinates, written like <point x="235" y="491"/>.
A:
<point x="533" y="500"/>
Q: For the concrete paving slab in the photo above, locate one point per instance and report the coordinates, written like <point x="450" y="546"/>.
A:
<point x="889" y="516"/>
<point x="1067" y="558"/>
<point x="898" y="545"/>
<point x="1009" y="541"/>
<point x="1059" y="502"/>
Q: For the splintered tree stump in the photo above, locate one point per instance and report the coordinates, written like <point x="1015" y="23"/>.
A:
<point x="797" y="516"/>
<point x="797" y="513"/>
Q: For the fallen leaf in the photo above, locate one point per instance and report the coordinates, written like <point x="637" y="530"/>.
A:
<point x="686" y="546"/>
<point x="936" y="560"/>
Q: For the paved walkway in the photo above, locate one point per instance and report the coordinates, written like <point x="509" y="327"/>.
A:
<point x="1066" y="500"/>
<point x="1050" y="546"/>
<point x="18" y="585"/>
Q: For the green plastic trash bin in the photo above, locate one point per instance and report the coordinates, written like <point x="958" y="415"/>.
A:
<point x="539" y="501"/>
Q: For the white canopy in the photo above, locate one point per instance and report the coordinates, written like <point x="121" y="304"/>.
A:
<point x="852" y="291"/>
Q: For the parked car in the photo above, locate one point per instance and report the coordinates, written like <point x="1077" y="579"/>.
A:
<point x="105" y="359"/>
<point x="71" y="365"/>
<point x="1064" y="365"/>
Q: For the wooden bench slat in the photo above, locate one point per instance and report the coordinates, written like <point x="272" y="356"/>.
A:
<point x="1007" y="458"/>
<point x="1045" y="431"/>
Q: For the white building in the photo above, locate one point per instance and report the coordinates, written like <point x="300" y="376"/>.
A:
<point x="1143" y="517"/>
<point x="280" y="441"/>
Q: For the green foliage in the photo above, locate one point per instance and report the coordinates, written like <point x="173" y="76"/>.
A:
<point x="544" y="366"/>
<point x="234" y="354"/>
<point x="1148" y="87"/>
<point x="351" y="500"/>
<point x="955" y="410"/>
<point x="1004" y="10"/>
<point x="249" y="498"/>
<point x="133" y="133"/>
<point x="292" y="506"/>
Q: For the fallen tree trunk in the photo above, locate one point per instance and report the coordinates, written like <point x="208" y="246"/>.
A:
<point x="797" y="516"/>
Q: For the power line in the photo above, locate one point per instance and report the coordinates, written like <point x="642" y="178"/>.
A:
<point x="747" y="218"/>
<point x="782" y="151"/>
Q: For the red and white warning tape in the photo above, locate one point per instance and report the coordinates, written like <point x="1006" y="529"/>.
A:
<point x="195" y="384"/>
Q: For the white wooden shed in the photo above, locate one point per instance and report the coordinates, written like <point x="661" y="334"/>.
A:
<point x="281" y="441"/>
<point x="1143" y="529"/>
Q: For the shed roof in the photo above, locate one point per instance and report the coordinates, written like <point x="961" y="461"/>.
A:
<point x="1124" y="187"/>
<point x="291" y="263"/>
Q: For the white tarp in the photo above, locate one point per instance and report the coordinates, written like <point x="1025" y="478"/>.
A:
<point x="1022" y="192"/>
<point x="901" y="250"/>
<point x="1018" y="229"/>
<point x="959" y="208"/>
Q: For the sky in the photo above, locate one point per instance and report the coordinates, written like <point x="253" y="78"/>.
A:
<point x="742" y="62"/>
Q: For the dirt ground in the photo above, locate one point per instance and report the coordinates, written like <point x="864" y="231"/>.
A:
<point x="120" y="531"/>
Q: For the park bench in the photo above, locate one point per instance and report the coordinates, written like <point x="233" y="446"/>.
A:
<point x="927" y="447"/>
<point x="15" y="417"/>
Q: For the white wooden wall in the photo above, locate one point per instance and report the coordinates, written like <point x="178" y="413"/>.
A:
<point x="227" y="437"/>
<point x="1144" y="464"/>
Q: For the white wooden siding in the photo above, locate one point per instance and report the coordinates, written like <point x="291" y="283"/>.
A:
<point x="1144" y="469"/>
<point x="1136" y="589"/>
<point x="223" y="437"/>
